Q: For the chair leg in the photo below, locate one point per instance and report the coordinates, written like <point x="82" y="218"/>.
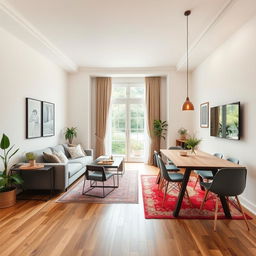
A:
<point x="188" y="197"/>
<point x="165" y="191"/>
<point x="241" y="208"/>
<point x="84" y="184"/>
<point x="205" y="197"/>
<point x="196" y="182"/>
<point x="216" y="214"/>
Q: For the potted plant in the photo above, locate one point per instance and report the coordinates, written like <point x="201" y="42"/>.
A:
<point x="160" y="128"/>
<point x="31" y="158"/>
<point x="183" y="133"/>
<point x="192" y="143"/>
<point x="7" y="180"/>
<point x="70" y="134"/>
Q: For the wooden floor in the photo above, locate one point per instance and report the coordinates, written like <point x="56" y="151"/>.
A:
<point x="49" y="228"/>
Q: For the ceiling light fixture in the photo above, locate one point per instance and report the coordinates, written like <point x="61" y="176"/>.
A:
<point x="187" y="104"/>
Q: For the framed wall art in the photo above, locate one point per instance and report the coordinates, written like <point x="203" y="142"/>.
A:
<point x="204" y="115"/>
<point x="48" y="117"/>
<point x="33" y="118"/>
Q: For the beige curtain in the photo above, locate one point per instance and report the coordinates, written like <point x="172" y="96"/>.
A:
<point x="153" y="112"/>
<point x="103" y="97"/>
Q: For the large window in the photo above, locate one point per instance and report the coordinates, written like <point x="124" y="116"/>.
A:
<point x="128" y="121"/>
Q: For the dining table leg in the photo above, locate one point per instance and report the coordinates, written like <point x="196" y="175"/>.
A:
<point x="182" y="192"/>
<point x="225" y="207"/>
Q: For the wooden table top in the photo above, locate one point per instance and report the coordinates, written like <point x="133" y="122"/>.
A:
<point x="201" y="160"/>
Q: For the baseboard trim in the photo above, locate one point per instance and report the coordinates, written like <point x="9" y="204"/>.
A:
<point x="248" y="205"/>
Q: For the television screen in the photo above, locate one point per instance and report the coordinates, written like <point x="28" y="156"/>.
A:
<point x="225" y="121"/>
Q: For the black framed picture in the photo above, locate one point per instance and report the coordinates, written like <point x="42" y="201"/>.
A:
<point x="204" y="115"/>
<point x="33" y="118"/>
<point x="48" y="117"/>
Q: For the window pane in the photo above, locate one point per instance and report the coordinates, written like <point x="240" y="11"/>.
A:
<point x="137" y="92"/>
<point x="119" y="92"/>
<point x="118" y="147"/>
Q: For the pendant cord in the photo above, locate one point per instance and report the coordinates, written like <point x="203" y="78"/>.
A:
<point x="187" y="56"/>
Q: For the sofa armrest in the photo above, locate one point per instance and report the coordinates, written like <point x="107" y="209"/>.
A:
<point x="89" y="152"/>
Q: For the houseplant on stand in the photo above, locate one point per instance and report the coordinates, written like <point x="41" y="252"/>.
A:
<point x="7" y="180"/>
<point x="31" y="157"/>
<point x="70" y="134"/>
<point x="192" y="143"/>
<point x="183" y="133"/>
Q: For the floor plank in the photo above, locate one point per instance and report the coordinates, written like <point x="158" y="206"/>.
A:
<point x="50" y="228"/>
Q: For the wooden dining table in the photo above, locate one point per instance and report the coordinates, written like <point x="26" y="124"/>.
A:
<point x="198" y="161"/>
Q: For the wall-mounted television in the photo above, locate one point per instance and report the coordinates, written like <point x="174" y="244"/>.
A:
<point x="225" y="121"/>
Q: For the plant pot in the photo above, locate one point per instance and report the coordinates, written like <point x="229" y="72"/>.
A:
<point x="32" y="162"/>
<point x="183" y="136"/>
<point x="8" y="198"/>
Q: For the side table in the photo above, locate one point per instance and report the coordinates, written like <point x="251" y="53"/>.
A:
<point x="46" y="169"/>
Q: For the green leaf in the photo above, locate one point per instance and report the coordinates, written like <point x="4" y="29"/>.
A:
<point x="16" y="178"/>
<point x="13" y="153"/>
<point x="5" y="142"/>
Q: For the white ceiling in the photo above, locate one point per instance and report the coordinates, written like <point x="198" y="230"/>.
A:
<point x="124" y="33"/>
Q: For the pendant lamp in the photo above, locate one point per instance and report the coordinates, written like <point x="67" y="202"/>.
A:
<point x="187" y="104"/>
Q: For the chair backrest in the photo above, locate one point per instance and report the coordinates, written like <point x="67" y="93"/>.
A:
<point x="95" y="168"/>
<point x="155" y="158"/>
<point x="163" y="170"/>
<point x="229" y="181"/>
<point x="233" y="160"/>
<point x="219" y="155"/>
<point x="175" y="148"/>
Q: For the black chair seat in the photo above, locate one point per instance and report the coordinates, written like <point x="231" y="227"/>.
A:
<point x="176" y="177"/>
<point x="97" y="176"/>
<point x="206" y="185"/>
<point x="205" y="174"/>
<point x="172" y="167"/>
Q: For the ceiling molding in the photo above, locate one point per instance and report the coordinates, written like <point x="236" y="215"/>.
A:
<point x="207" y="29"/>
<point x="62" y="59"/>
<point x="116" y="71"/>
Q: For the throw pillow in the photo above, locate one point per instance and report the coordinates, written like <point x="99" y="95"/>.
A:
<point x="51" y="158"/>
<point x="76" y="152"/>
<point x="61" y="156"/>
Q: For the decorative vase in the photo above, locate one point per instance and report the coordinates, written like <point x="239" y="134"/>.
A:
<point x="32" y="162"/>
<point x="8" y="198"/>
<point x="193" y="151"/>
<point x="183" y="136"/>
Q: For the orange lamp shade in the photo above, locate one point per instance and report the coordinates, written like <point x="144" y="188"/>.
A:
<point x="187" y="105"/>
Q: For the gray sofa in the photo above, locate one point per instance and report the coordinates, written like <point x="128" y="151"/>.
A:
<point x="64" y="174"/>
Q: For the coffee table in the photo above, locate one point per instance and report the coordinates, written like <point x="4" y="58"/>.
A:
<point x="117" y="165"/>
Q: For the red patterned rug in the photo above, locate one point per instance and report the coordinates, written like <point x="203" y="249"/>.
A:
<point x="153" y="209"/>
<point x="126" y="193"/>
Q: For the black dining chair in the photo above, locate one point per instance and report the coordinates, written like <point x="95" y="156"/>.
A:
<point x="204" y="174"/>
<point x="96" y="174"/>
<point x="169" y="178"/>
<point x="228" y="182"/>
<point x="169" y="167"/>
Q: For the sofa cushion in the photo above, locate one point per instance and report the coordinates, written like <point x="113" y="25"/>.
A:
<point x="76" y="152"/>
<point x="82" y="160"/>
<point x="61" y="156"/>
<point x="58" y="148"/>
<point x="73" y="168"/>
<point x="51" y="158"/>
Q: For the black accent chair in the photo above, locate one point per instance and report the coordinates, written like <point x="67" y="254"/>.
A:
<point x="206" y="175"/>
<point x="96" y="174"/>
<point x="169" y="167"/>
<point x="173" y="179"/>
<point x="227" y="182"/>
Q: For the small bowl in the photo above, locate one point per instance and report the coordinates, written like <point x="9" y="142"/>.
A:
<point x="183" y="153"/>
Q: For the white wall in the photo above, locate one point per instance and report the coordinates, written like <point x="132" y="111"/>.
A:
<point x="228" y="75"/>
<point x="26" y="73"/>
<point x="81" y="104"/>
